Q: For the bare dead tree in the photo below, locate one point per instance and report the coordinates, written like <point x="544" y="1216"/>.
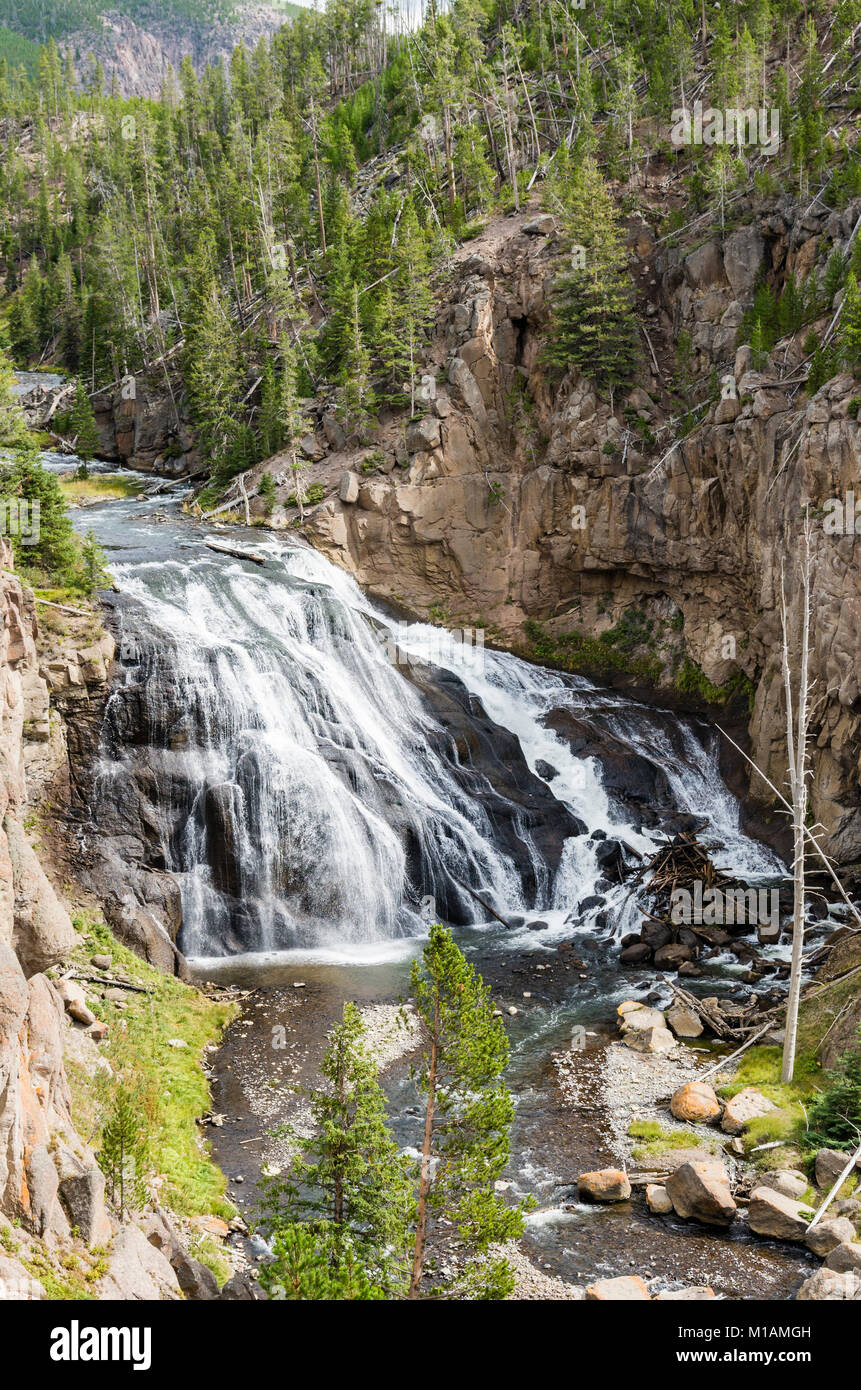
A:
<point x="796" y="751"/>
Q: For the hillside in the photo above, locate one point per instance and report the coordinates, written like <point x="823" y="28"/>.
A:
<point x="136" y="42"/>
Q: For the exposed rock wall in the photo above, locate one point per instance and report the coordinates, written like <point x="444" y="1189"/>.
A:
<point x="39" y="1149"/>
<point x="515" y="498"/>
<point x="140" y="55"/>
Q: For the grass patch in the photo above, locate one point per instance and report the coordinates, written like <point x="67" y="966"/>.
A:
<point x="657" y="1140"/>
<point x="97" y="488"/>
<point x="690" y="680"/>
<point x="760" y="1067"/>
<point x="169" y="1081"/>
<point x="582" y="654"/>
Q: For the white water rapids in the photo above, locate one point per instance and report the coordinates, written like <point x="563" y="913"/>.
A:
<point x="307" y="794"/>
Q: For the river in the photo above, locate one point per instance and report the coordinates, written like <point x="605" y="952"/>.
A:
<point x="320" y="790"/>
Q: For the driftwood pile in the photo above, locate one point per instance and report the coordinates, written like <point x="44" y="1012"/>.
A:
<point x="683" y="863"/>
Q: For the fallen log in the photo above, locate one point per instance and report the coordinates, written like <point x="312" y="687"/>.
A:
<point x="236" y="553"/>
<point x="106" y="980"/>
<point x="485" y="905"/>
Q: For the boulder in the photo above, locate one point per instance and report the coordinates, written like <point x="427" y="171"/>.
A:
<point x="137" y="1271"/>
<point x="845" y="1258"/>
<point x="684" y="1022"/>
<point x="349" y="489"/>
<point x="745" y="1106"/>
<point x="787" y="1181"/>
<point x="627" y="1288"/>
<point x="604" y="1185"/>
<point x="542" y="225"/>
<point x="827" y="1285"/>
<point x="83" y="1195"/>
<point x="650" y="1040"/>
<point x="701" y="1190"/>
<point x="828" y="1165"/>
<point x="772" y="1214"/>
<point x="658" y="1199"/>
<point x="240" y="1289"/>
<point x="638" y="1020"/>
<point x="829" y="1234"/>
<point x="423" y="434"/>
<point x="637" y="954"/>
<point x="197" y="1282"/>
<point x="671" y="956"/>
<point x="694" y="1101"/>
<point x="695" y="1293"/>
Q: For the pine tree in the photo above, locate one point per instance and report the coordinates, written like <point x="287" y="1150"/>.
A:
<point x="468" y="1115"/>
<point x="123" y="1153"/>
<point x="355" y="394"/>
<point x="211" y="359"/>
<point x="306" y="1266"/>
<point x="82" y="424"/>
<point x="834" y="1121"/>
<point x="849" y="342"/>
<point x="592" y="324"/>
<point x="349" y="1181"/>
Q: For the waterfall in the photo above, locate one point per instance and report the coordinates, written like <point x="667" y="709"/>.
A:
<point x="318" y="776"/>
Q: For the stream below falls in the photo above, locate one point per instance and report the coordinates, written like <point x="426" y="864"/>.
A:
<point x="323" y="780"/>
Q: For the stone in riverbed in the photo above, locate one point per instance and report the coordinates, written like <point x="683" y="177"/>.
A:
<point x="747" y="1105"/>
<point x="828" y="1165"/>
<point x="684" y="1022"/>
<point x="650" y="1040"/>
<point x="827" y="1285"/>
<point x="627" y="1288"/>
<point x="604" y="1185"/>
<point x="787" y="1181"/>
<point x="701" y="1190"/>
<point x="694" y="1101"/>
<point x="772" y="1214"/>
<point x="637" y="954"/>
<point x="671" y="956"/>
<point x="845" y="1258"/>
<point x="638" y="1020"/>
<point x="658" y="1199"/>
<point x="829" y="1234"/>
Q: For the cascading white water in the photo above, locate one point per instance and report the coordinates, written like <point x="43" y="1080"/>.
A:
<point x="306" y="790"/>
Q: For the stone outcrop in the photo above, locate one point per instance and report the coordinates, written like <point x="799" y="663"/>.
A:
<point x="518" y="499"/>
<point x="48" y="1175"/>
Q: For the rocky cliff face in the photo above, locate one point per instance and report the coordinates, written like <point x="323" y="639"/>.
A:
<point x="515" y="498"/>
<point x="53" y="1213"/>
<point x="139" y="56"/>
<point x="49" y="1179"/>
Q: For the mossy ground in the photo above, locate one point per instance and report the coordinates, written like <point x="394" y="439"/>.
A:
<point x="787" y="1126"/>
<point x="97" y="488"/>
<point x="657" y="1140"/>
<point x="168" y="1081"/>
